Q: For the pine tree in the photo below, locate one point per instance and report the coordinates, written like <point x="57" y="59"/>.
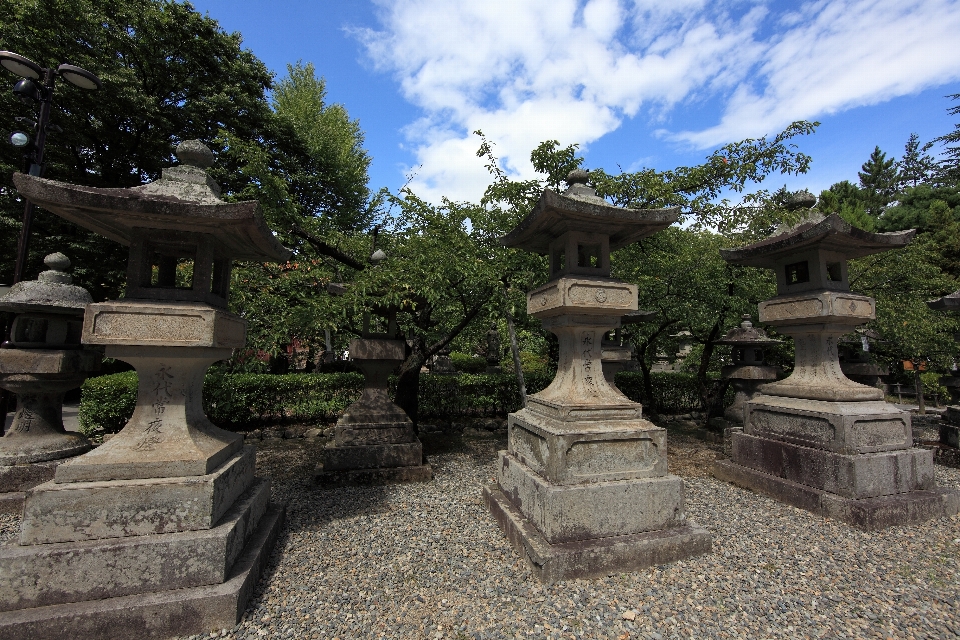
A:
<point x="878" y="181"/>
<point x="915" y="167"/>
<point x="950" y="166"/>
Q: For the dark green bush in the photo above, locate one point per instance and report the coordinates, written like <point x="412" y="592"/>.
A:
<point x="107" y="402"/>
<point x="466" y="363"/>
<point x="242" y="399"/>
<point x="672" y="392"/>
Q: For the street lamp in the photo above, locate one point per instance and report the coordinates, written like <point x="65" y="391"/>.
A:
<point x="36" y="86"/>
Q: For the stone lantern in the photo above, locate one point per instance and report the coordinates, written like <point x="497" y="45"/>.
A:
<point x="818" y="440"/>
<point x="189" y="526"/>
<point x="855" y="360"/>
<point x="374" y="440"/>
<point x="616" y="356"/>
<point x="950" y="421"/>
<point x="42" y="361"/>
<point x="583" y="489"/>
<point x="748" y="370"/>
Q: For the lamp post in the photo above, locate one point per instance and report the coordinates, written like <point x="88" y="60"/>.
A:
<point x="30" y="92"/>
<point x="36" y="85"/>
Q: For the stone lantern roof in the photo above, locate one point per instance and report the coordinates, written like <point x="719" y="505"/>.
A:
<point x="52" y="292"/>
<point x="746" y="335"/>
<point x="831" y="233"/>
<point x="185" y="199"/>
<point x="638" y="317"/>
<point x="949" y="302"/>
<point x="580" y="209"/>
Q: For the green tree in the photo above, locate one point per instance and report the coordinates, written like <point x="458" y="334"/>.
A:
<point x="878" y="181"/>
<point x="169" y="73"/>
<point x="915" y="167"/>
<point x="949" y="166"/>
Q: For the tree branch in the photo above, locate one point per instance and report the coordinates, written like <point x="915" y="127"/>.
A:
<point x="325" y="249"/>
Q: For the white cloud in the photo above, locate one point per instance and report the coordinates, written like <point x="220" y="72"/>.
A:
<point x="524" y="71"/>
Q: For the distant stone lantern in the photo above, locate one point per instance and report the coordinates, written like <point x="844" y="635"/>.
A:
<point x="950" y="422"/>
<point x="748" y="370"/>
<point x="374" y="440"/>
<point x="855" y="360"/>
<point x="583" y="489"/>
<point x="176" y="496"/>
<point x="616" y="356"/>
<point x="42" y="361"/>
<point x="818" y="440"/>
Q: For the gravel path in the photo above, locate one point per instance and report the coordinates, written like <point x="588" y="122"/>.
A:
<point x="427" y="561"/>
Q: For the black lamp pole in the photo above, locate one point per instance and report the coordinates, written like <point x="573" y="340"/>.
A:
<point x="27" y="90"/>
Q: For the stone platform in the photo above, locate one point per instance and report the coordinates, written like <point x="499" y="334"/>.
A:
<point x="157" y="614"/>
<point x="869" y="514"/>
<point x="596" y="557"/>
<point x="16" y="479"/>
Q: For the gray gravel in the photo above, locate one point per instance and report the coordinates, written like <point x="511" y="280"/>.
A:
<point x="426" y="561"/>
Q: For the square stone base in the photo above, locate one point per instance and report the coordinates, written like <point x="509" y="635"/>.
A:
<point x="597" y="557"/>
<point x="16" y="479"/>
<point x="49" y="574"/>
<point x="868" y="514"/>
<point x="158" y="614"/>
<point x="390" y="475"/>
<point x="374" y="456"/>
<point x="857" y="476"/>
<point x="950" y="434"/>
<point x="566" y="513"/>
<point x="70" y="511"/>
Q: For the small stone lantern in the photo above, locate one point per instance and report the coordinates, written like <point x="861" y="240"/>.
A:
<point x="186" y="518"/>
<point x="748" y="370"/>
<point x="616" y="356"/>
<point x="42" y="360"/>
<point x="950" y="421"/>
<point x="374" y="440"/>
<point x="583" y="468"/>
<point x="818" y="440"/>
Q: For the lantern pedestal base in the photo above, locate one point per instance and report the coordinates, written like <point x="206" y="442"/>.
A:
<point x="869" y="514"/>
<point x="596" y="557"/>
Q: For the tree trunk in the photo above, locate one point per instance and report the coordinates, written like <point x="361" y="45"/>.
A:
<point x="710" y="395"/>
<point x="408" y="383"/>
<point x="918" y="384"/>
<point x="515" y="350"/>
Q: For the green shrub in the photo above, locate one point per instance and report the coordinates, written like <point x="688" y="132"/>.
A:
<point x="466" y="363"/>
<point x="672" y="392"/>
<point x="244" y="399"/>
<point x="107" y="402"/>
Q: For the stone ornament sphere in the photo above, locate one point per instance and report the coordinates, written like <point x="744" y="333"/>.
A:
<point x="195" y="154"/>
<point x="57" y="261"/>
<point x="578" y="176"/>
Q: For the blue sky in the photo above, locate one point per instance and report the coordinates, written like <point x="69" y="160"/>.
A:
<point x="635" y="82"/>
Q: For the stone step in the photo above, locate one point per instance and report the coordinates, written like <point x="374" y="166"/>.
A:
<point x="375" y="456"/>
<point x="159" y="614"/>
<point x="868" y="514"/>
<point x="66" y="512"/>
<point x="59" y="573"/>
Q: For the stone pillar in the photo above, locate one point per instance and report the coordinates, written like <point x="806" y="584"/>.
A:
<point x="374" y="441"/>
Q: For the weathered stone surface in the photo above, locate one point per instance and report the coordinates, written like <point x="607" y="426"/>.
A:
<point x="583" y="295"/>
<point x="564" y="513"/>
<point x="373" y="456"/>
<point x="950" y="434"/>
<point x="168" y="434"/>
<point x="579" y="452"/>
<point x="63" y="512"/>
<point x="159" y="614"/>
<point x="373" y="434"/>
<point x="385" y="475"/>
<point x="12" y="502"/>
<point x="25" y="476"/>
<point x="168" y="324"/>
<point x="842" y="427"/>
<point x="818" y="307"/>
<point x="869" y="514"/>
<point x="856" y="476"/>
<point x="57" y="362"/>
<point x="46" y="574"/>
<point x="596" y="557"/>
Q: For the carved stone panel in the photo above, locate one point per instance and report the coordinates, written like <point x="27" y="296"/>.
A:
<point x="600" y="457"/>
<point x="808" y="429"/>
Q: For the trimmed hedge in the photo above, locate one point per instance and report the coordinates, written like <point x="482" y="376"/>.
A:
<point x="232" y="400"/>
